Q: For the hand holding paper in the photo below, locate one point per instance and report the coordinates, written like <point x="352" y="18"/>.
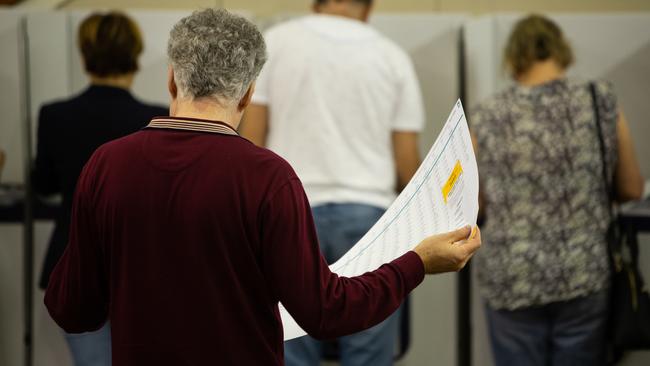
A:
<point x="450" y="251"/>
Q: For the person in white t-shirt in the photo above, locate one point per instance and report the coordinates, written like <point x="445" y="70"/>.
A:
<point x="342" y="104"/>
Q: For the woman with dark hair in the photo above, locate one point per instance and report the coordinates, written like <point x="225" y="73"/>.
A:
<point x="70" y="131"/>
<point x="544" y="270"/>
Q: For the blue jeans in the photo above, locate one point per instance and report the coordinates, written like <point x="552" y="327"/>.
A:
<point x="570" y="333"/>
<point x="339" y="227"/>
<point x="91" y="348"/>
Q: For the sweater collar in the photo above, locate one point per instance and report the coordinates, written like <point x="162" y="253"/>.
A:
<point x="192" y="124"/>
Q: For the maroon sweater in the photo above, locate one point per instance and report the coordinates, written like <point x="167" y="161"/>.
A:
<point x="186" y="236"/>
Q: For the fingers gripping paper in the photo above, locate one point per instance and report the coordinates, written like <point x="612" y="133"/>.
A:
<point x="441" y="196"/>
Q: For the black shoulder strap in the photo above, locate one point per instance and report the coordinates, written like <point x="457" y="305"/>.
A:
<point x="603" y="151"/>
<point x="615" y="246"/>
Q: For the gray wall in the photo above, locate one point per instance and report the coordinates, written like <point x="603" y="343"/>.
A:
<point x="12" y="105"/>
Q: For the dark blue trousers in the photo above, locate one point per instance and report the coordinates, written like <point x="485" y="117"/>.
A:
<point x="567" y="333"/>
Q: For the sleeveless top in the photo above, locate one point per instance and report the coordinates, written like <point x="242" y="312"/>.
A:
<point x="546" y="209"/>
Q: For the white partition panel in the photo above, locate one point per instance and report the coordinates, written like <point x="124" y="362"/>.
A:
<point x="49" y="67"/>
<point x="12" y="105"/>
<point x="11" y="295"/>
<point x="614" y="47"/>
<point x="12" y="100"/>
<point x="50" y="348"/>
<point x="481" y="59"/>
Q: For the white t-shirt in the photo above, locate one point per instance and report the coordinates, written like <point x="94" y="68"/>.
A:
<point x="336" y="89"/>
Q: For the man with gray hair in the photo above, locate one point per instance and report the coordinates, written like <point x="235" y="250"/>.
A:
<point x="186" y="236"/>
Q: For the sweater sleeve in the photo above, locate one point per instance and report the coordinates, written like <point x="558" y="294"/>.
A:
<point x="77" y="293"/>
<point x="324" y="304"/>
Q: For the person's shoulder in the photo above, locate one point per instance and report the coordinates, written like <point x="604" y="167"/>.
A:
<point x="60" y="114"/>
<point x="56" y="105"/>
<point x="495" y="101"/>
<point x="102" y="156"/>
<point x="154" y="110"/>
<point x="605" y="94"/>
<point x="112" y="154"/>
<point x="283" y="29"/>
<point x="490" y="108"/>
<point x="388" y="45"/>
<point x="121" y="144"/>
<point x="390" y="52"/>
<point x="264" y="157"/>
<point x="264" y="162"/>
<point x="281" y="36"/>
<point x="116" y="154"/>
<point x="62" y="105"/>
<point x="604" y="88"/>
<point x="137" y="114"/>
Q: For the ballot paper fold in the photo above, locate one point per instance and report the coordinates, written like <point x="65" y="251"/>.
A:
<point x="442" y="196"/>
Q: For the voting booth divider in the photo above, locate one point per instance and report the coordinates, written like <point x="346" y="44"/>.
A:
<point x="455" y="55"/>
<point x="13" y="107"/>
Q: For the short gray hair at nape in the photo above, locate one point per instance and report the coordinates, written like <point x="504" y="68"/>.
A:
<point x="215" y="54"/>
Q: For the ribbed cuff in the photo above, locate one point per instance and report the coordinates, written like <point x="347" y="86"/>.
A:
<point x="412" y="269"/>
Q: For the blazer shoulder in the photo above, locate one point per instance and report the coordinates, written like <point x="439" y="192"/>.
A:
<point x="151" y="109"/>
<point x="61" y="105"/>
<point x="57" y="111"/>
<point x="158" y="110"/>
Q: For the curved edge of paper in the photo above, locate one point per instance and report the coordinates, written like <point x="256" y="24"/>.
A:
<point x="291" y="328"/>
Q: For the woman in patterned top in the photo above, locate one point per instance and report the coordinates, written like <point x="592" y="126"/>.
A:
<point x="544" y="269"/>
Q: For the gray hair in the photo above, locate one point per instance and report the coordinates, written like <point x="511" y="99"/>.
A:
<point x="216" y="54"/>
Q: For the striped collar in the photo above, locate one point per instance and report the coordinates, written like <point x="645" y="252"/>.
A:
<point x="192" y="124"/>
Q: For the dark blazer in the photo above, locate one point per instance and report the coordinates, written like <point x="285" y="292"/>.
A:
<point x="68" y="134"/>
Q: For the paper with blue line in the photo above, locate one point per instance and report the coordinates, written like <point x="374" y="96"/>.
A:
<point x="441" y="196"/>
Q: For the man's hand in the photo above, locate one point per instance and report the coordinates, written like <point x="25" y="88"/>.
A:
<point x="448" y="252"/>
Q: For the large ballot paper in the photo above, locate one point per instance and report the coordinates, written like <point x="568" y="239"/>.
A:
<point x="442" y="196"/>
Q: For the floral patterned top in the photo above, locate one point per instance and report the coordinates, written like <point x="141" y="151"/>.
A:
<point x="546" y="209"/>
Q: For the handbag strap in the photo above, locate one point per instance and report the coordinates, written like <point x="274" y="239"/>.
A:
<point x="609" y="191"/>
<point x="615" y="245"/>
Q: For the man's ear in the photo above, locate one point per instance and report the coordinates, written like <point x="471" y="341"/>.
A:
<point x="246" y="99"/>
<point x="171" y="83"/>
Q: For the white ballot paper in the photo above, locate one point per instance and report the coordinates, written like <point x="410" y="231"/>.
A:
<point x="442" y="196"/>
